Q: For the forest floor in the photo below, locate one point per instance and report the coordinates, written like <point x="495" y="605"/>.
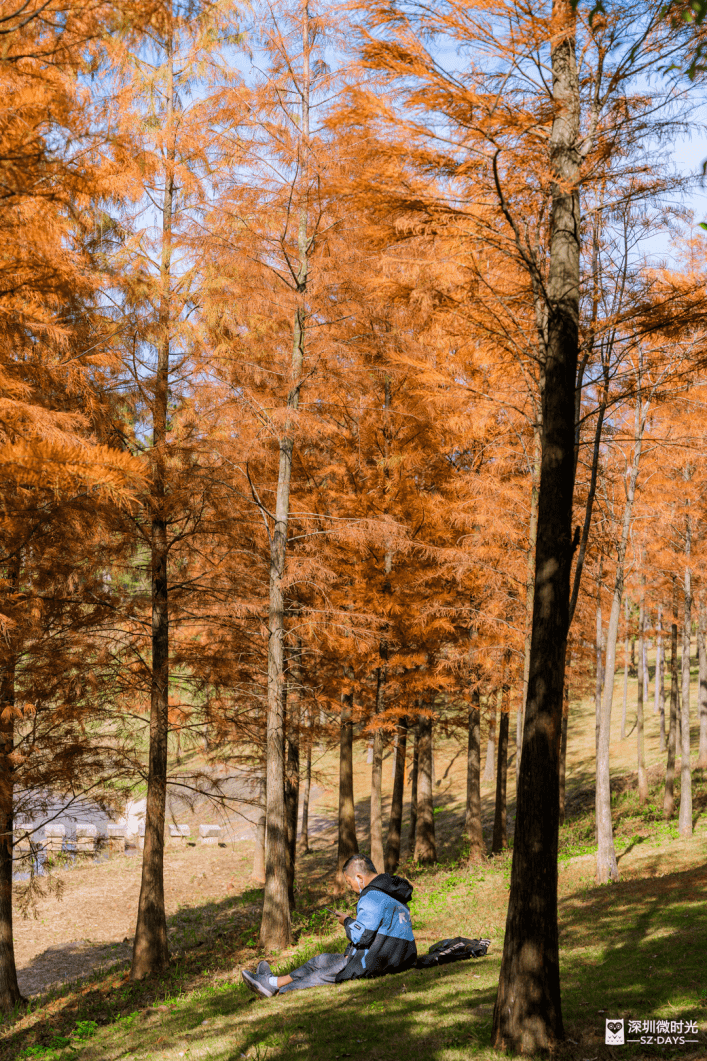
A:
<point x="633" y="949"/>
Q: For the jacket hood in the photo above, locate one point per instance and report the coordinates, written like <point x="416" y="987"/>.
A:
<point x="396" y="887"/>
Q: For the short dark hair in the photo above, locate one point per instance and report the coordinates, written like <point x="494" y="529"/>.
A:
<point x="358" y="864"/>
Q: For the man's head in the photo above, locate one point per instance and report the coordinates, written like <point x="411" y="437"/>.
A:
<point x="358" y="872"/>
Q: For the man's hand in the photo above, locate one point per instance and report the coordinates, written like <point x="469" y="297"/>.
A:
<point x="340" y="917"/>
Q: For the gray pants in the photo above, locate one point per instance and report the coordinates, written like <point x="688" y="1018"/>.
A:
<point x="319" y="970"/>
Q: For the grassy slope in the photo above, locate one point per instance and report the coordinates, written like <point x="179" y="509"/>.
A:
<point x="635" y="949"/>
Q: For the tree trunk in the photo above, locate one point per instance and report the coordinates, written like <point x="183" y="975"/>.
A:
<point x="489" y="767"/>
<point x="292" y="771"/>
<point x="303" y="845"/>
<point x="607" y="867"/>
<point x="598" y="654"/>
<point x="640" y="750"/>
<point x="624" y="706"/>
<point x="669" y="794"/>
<point x="563" y="750"/>
<point x="9" y="989"/>
<point x="413" y="794"/>
<point x="425" y="843"/>
<point x="685" y="815"/>
<point x="528" y="1012"/>
<point x="472" y="824"/>
<point x="660" y="682"/>
<point x="258" y="871"/>
<point x="348" y="844"/>
<point x="276" y="926"/>
<point x="150" y="949"/>
<point x="500" y="834"/>
<point x="702" y="694"/>
<point x="392" y="850"/>
<point x="377" y="856"/>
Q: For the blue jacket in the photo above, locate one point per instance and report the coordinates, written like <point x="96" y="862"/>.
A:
<point x="380" y="939"/>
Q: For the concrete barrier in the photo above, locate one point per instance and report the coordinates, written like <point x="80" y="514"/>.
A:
<point x="116" y="839"/>
<point x="54" y="836"/>
<point x="179" y="834"/>
<point x="86" y="836"/>
<point x="209" y="834"/>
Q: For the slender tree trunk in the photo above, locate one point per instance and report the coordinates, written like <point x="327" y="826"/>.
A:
<point x="276" y="927"/>
<point x="489" y="767"/>
<point x="392" y="850"/>
<point x="563" y="750"/>
<point x="625" y="700"/>
<point x="472" y="824"/>
<point x="529" y="582"/>
<point x="646" y="669"/>
<point x="413" y="793"/>
<point x="500" y="833"/>
<point x="258" y="871"/>
<point x="598" y="654"/>
<point x="528" y="1012"/>
<point x="150" y="948"/>
<point x="377" y="856"/>
<point x="425" y="843"/>
<point x="9" y="989"/>
<point x="661" y="688"/>
<point x="292" y="772"/>
<point x="348" y="844"/>
<point x="669" y="794"/>
<point x="607" y="867"/>
<point x="303" y="845"/>
<point x="658" y="661"/>
<point x="702" y="694"/>
<point x="685" y="814"/>
<point x="640" y="749"/>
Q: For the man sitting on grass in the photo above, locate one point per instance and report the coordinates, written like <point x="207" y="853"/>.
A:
<point x="380" y="939"/>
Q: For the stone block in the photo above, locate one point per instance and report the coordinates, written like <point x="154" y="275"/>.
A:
<point x="116" y="839"/>
<point x="86" y="836"/>
<point x="179" y="834"/>
<point x="209" y="834"/>
<point x="54" y="836"/>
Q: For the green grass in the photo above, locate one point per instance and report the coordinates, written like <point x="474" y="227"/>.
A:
<point x="635" y="949"/>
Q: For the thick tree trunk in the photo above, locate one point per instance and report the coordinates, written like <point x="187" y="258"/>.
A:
<point x="150" y="949"/>
<point x="258" y="870"/>
<point x="413" y="793"/>
<point x="702" y="694"/>
<point x="624" y="706"/>
<point x="348" y="844"/>
<point x="472" y="824"/>
<point x="392" y="849"/>
<point x="425" y="843"/>
<point x="685" y="814"/>
<point x="669" y="794"/>
<point x="490" y="765"/>
<point x="377" y="856"/>
<point x="9" y="989"/>
<point x="303" y="843"/>
<point x="500" y="834"/>
<point x="528" y="1012"/>
<point x="640" y="749"/>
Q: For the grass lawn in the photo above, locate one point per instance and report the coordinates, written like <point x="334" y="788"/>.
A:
<point x="636" y="949"/>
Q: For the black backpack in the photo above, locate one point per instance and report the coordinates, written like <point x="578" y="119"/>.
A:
<point x="453" y="950"/>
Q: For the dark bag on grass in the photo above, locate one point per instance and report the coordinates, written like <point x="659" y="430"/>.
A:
<point x="452" y="950"/>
